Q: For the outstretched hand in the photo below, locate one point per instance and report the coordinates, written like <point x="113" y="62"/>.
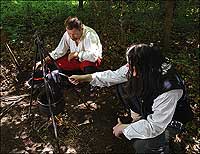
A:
<point x="38" y="64"/>
<point x="76" y="79"/>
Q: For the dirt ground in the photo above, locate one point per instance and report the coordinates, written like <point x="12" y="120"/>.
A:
<point x="80" y="129"/>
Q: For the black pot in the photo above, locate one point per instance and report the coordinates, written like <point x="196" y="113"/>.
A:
<point x="56" y="108"/>
<point x="57" y="104"/>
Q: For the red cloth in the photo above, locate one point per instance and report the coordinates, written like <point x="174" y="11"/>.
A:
<point x="74" y="64"/>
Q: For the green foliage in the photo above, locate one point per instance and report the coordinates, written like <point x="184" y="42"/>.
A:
<point x="187" y="15"/>
<point x="118" y="23"/>
<point x="137" y="21"/>
<point x="23" y="17"/>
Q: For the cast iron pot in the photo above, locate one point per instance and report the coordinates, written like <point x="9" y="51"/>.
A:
<point x="57" y="106"/>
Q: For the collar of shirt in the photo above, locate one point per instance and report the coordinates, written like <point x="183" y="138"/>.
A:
<point x="84" y="32"/>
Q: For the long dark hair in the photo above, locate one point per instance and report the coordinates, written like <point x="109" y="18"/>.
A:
<point x="147" y="60"/>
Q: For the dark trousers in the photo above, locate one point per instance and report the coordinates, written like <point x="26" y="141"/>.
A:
<point x="152" y="145"/>
<point x="159" y="144"/>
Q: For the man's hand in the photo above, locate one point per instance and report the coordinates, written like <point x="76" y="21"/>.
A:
<point x="38" y="64"/>
<point x="72" y="55"/>
<point x="76" y="79"/>
<point x="117" y="130"/>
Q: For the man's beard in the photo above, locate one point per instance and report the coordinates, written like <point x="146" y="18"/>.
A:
<point x="74" y="39"/>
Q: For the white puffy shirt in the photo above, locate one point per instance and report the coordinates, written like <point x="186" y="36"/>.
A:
<point x="89" y="48"/>
<point x="163" y="107"/>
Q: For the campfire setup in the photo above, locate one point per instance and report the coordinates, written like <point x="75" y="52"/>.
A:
<point x="47" y="88"/>
<point x="48" y="85"/>
<point x="47" y="113"/>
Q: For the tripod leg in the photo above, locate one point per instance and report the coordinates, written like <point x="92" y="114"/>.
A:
<point x="32" y="83"/>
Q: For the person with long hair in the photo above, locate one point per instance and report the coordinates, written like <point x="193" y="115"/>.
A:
<point x="150" y="87"/>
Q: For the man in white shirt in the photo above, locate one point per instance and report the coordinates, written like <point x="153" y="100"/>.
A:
<point x="153" y="92"/>
<point x="84" y="46"/>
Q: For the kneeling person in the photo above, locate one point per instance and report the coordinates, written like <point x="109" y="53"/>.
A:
<point x="152" y="90"/>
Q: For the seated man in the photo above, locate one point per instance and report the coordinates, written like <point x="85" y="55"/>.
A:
<point x="84" y="46"/>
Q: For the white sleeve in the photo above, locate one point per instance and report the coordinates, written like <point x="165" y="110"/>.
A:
<point x="109" y="78"/>
<point x="62" y="47"/>
<point x="92" y="47"/>
<point x="163" y="110"/>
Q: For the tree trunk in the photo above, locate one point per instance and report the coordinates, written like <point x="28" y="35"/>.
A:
<point x="169" y="12"/>
<point x="121" y="20"/>
<point x="80" y="4"/>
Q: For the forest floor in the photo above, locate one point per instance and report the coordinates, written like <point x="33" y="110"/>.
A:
<point x="80" y="130"/>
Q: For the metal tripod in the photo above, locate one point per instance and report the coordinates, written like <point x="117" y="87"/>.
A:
<point x="42" y="54"/>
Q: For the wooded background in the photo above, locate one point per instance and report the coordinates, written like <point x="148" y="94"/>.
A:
<point x="172" y="25"/>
